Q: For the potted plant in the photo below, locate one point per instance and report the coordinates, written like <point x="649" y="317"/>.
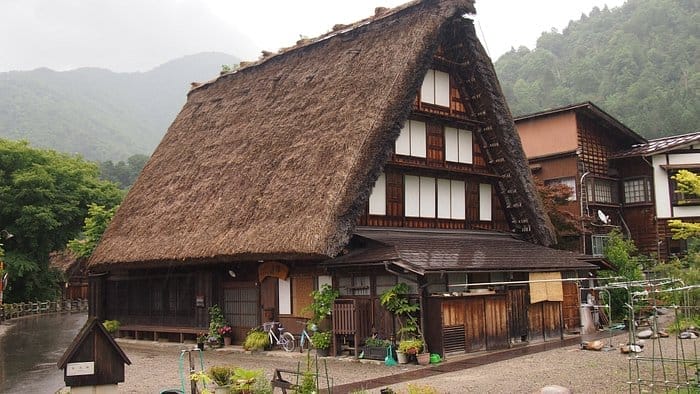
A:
<point x="226" y="332"/>
<point x="410" y="346"/>
<point x="256" y="340"/>
<point x="396" y="301"/>
<point x="222" y="376"/>
<point x="322" y="342"/>
<point x="201" y="340"/>
<point x="112" y="326"/>
<point x="375" y="348"/>
<point x="216" y="321"/>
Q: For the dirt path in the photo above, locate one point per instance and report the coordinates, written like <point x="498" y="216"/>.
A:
<point x="155" y="366"/>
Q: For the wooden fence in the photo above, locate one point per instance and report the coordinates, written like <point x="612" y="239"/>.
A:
<point x="11" y="311"/>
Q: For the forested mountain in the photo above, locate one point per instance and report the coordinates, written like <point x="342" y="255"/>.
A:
<point x="639" y="62"/>
<point x="97" y="113"/>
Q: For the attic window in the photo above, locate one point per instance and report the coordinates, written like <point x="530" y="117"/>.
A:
<point x="458" y="145"/>
<point x="411" y="141"/>
<point x="436" y="88"/>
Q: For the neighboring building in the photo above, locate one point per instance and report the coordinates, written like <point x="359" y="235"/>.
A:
<point x="381" y="152"/>
<point x="618" y="178"/>
<point x="574" y="145"/>
<point x="666" y="156"/>
<point x="74" y="284"/>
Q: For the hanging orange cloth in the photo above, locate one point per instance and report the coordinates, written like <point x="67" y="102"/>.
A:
<point x="546" y="291"/>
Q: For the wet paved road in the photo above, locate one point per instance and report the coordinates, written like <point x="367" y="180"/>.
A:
<point x="30" y="348"/>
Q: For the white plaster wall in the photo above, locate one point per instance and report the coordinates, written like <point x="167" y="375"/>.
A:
<point x="661" y="189"/>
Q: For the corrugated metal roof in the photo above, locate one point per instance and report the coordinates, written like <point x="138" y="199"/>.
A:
<point x="659" y="145"/>
<point x="454" y="250"/>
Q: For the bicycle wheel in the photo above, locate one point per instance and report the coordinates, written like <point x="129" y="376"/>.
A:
<point x="304" y="342"/>
<point x="287" y="341"/>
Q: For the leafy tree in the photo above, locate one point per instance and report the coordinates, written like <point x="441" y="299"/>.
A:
<point x="96" y="223"/>
<point x="689" y="184"/>
<point x="44" y="198"/>
<point x="123" y="173"/>
<point x="555" y="199"/>
<point x="688" y="267"/>
<point x="622" y="254"/>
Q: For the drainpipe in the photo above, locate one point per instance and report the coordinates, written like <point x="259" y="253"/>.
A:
<point x="583" y="192"/>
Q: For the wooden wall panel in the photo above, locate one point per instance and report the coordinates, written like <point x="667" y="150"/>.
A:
<point x="535" y="322"/>
<point x="435" y="144"/>
<point x="552" y="319"/>
<point x="496" y="322"/>
<point x="453" y="312"/>
<point x="476" y="322"/>
<point x="571" y="307"/>
<point x="302" y="286"/>
<point x="517" y="311"/>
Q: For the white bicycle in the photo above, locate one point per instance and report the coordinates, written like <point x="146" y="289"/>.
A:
<point x="285" y="340"/>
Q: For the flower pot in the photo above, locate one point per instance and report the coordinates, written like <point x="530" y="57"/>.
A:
<point x="222" y="390"/>
<point x="402" y="357"/>
<point x="423" y="358"/>
<point x="227" y="341"/>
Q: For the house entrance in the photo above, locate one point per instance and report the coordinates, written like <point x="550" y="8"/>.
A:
<point x="241" y="307"/>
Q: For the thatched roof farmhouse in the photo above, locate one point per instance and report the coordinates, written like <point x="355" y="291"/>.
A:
<point x="278" y="158"/>
<point x="278" y="177"/>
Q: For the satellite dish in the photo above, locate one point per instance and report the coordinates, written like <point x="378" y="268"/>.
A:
<point x="603" y="217"/>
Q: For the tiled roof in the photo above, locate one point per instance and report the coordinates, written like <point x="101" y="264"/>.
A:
<point x="454" y="250"/>
<point x="659" y="145"/>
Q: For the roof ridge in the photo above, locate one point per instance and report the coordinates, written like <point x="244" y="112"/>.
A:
<point x="380" y="13"/>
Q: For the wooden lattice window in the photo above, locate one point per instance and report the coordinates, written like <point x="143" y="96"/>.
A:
<point x="637" y="190"/>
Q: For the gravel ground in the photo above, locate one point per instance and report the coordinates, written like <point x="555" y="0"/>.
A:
<point x="155" y="367"/>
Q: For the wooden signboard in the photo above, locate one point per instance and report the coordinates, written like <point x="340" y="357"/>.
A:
<point x="94" y="358"/>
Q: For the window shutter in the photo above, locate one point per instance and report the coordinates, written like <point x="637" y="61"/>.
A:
<point x="442" y="89"/>
<point x="427" y="197"/>
<point x="427" y="91"/>
<point x="412" y="196"/>
<point x="418" y="145"/>
<point x="377" y="200"/>
<point x="485" y="202"/>
<point x="444" y="196"/>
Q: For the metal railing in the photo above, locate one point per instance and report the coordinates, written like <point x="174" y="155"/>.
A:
<point x="12" y="311"/>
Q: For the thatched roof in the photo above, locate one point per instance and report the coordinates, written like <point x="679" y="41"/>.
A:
<point x="277" y="159"/>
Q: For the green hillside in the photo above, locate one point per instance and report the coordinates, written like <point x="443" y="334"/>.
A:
<point x="639" y="62"/>
<point x="97" y="113"/>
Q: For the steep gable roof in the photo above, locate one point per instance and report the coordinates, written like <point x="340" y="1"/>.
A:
<point x="277" y="160"/>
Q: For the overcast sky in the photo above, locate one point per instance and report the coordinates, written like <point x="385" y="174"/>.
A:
<point x="138" y="35"/>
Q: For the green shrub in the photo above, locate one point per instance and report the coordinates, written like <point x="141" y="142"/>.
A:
<point x="376" y="342"/>
<point x="256" y="340"/>
<point x="321" y="339"/>
<point x="411" y="346"/>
